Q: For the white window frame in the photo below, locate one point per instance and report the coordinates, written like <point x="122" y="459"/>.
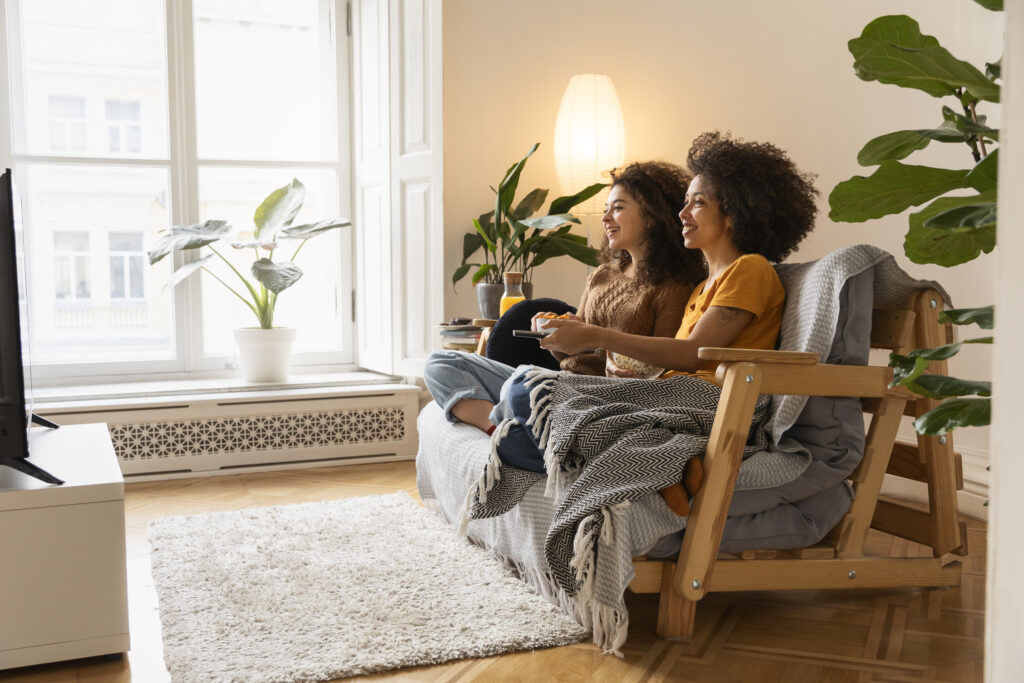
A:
<point x="183" y="166"/>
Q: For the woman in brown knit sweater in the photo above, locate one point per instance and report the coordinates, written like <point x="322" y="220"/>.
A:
<point x="642" y="288"/>
<point x="647" y="273"/>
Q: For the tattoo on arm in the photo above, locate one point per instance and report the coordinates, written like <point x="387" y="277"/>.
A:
<point x="727" y="315"/>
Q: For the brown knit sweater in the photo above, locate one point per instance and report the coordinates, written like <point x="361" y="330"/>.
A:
<point x="613" y="300"/>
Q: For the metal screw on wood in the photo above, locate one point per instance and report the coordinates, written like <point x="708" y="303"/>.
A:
<point x="750" y="378"/>
<point x="696" y="584"/>
<point x="932" y="303"/>
<point x="852" y="574"/>
<point x="942" y="439"/>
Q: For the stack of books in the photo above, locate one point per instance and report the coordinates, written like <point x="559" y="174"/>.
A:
<point x="460" y="337"/>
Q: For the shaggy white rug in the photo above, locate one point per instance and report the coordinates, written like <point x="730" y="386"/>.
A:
<point x="315" y="591"/>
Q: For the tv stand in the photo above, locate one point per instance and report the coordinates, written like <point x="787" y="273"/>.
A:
<point x="31" y="469"/>
<point x="63" y="593"/>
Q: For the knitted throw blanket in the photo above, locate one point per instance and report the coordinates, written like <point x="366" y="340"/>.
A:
<point x="606" y="442"/>
<point x="611" y="441"/>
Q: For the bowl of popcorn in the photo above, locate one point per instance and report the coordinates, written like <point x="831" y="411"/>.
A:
<point x="541" y="322"/>
<point x="645" y="370"/>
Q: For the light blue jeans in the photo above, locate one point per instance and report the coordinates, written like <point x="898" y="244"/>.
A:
<point x="452" y="376"/>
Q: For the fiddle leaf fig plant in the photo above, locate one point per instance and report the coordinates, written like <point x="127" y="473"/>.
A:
<point x="272" y="222"/>
<point x="958" y="221"/>
<point x="510" y="240"/>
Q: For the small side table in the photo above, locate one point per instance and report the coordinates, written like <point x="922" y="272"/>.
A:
<point x="63" y="576"/>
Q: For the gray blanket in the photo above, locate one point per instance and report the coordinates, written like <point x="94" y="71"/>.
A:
<point x="598" y="513"/>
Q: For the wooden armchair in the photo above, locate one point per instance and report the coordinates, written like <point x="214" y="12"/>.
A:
<point x="839" y="561"/>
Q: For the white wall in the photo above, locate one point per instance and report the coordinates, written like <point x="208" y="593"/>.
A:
<point x="1004" y="622"/>
<point x="776" y="71"/>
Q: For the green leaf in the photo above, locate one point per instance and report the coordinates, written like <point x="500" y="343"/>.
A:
<point x="994" y="5"/>
<point x="254" y="244"/>
<point x="968" y="126"/>
<point x="483" y="235"/>
<point x="301" y="232"/>
<point x="940" y="387"/>
<point x="549" y="222"/>
<point x="188" y="237"/>
<point x="508" y="185"/>
<point x="898" y="145"/>
<point x="908" y="367"/>
<point x="279" y="209"/>
<point x="947" y="247"/>
<point x="564" y="204"/>
<point x="482" y="272"/>
<point x="276" y="277"/>
<point x="581" y="252"/>
<point x="892" y="49"/>
<point x="461" y="272"/>
<point x="182" y="274"/>
<point x="994" y="70"/>
<point x="471" y="243"/>
<point x="973" y="216"/>
<point x="901" y="144"/>
<point x="983" y="317"/>
<point x="892" y="188"/>
<point x="985" y="174"/>
<point x="956" y="412"/>
<point x="530" y="203"/>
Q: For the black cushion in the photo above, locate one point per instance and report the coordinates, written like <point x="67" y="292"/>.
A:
<point x="503" y="347"/>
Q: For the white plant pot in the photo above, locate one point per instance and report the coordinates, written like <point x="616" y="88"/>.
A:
<point x="264" y="354"/>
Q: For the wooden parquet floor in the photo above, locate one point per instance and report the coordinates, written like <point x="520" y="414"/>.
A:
<point x="833" y="636"/>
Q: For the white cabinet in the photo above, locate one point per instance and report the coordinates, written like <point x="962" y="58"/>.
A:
<point x="63" y="579"/>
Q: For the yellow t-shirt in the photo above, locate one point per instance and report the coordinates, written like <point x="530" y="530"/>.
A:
<point x="750" y="283"/>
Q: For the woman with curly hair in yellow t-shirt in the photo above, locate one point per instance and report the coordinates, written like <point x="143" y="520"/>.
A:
<point x="746" y="207"/>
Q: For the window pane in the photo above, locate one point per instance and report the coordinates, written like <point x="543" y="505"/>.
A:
<point x="311" y="304"/>
<point x="116" y="277"/>
<point x="126" y="241"/>
<point x="81" y="57"/>
<point x="264" y="72"/>
<point x="78" y="213"/>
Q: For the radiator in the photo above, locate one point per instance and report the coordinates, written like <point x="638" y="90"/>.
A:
<point x="203" y="433"/>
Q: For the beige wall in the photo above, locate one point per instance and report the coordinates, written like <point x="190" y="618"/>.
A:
<point x="776" y="71"/>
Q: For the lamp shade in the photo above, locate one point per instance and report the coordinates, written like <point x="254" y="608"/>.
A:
<point x="590" y="138"/>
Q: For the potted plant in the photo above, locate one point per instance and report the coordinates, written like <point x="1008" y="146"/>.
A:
<point x="263" y="350"/>
<point x="512" y="241"/>
<point x="954" y="227"/>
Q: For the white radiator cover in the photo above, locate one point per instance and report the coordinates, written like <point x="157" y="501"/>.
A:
<point x="201" y="433"/>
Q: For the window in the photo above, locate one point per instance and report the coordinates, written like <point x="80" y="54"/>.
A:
<point x="127" y="278"/>
<point x="124" y="129"/>
<point x="71" y="265"/>
<point x="185" y="110"/>
<point x="67" y="124"/>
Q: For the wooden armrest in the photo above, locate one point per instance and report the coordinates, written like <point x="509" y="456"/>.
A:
<point x="722" y="354"/>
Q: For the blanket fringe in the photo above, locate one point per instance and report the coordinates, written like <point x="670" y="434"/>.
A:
<point x="490" y="475"/>
<point x="609" y="625"/>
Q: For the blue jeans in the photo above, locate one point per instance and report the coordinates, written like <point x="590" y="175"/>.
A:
<point x="452" y="376"/>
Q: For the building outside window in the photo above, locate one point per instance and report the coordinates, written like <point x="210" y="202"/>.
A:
<point x="185" y="110"/>
<point x="124" y="126"/>
<point x="127" y="258"/>
<point x="71" y="265"/>
<point x="67" y="123"/>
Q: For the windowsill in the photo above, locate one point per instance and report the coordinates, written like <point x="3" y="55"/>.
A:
<point x="148" y="391"/>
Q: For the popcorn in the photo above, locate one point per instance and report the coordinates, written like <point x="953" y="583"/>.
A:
<point x="638" y="366"/>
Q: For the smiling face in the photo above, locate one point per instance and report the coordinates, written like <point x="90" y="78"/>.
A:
<point x="705" y="227"/>
<point x="624" y="223"/>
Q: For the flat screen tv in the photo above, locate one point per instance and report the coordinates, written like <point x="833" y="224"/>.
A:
<point x="15" y="416"/>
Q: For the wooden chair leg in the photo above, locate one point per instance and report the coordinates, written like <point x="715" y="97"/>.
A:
<point x="675" y="613"/>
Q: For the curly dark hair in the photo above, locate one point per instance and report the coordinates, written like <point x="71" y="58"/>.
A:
<point x="659" y="189"/>
<point x="771" y="203"/>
